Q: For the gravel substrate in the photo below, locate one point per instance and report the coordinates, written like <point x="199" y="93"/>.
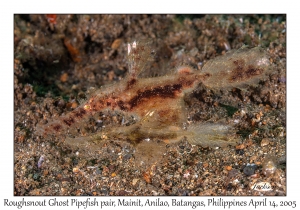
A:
<point x="61" y="59"/>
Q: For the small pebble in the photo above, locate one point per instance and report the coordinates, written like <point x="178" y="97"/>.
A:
<point x="269" y="166"/>
<point x="240" y="151"/>
<point x="205" y="165"/>
<point x="36" y="176"/>
<point x="255" y="176"/>
<point x="115" y="45"/>
<point x="46" y="172"/>
<point x="40" y="162"/>
<point x="250" y="169"/>
<point x="253" y="158"/>
<point x="61" y="103"/>
<point x="239" y="147"/>
<point x="122" y="193"/>
<point x="194" y="51"/>
<point x="264" y="142"/>
<point x="75" y="170"/>
<point x="147" y="177"/>
<point x="64" y="77"/>
<point x="134" y="181"/>
<point x="104" y="191"/>
<point x="127" y="157"/>
<point x="233" y="173"/>
<point x="74" y="105"/>
<point x="63" y="190"/>
<point x="229" y="187"/>
<point x="228" y="168"/>
<point x="59" y="176"/>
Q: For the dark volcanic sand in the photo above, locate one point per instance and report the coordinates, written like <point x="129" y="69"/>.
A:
<point x="59" y="59"/>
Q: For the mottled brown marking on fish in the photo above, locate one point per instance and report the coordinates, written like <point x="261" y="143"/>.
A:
<point x="79" y="113"/>
<point x="69" y="121"/>
<point x="167" y="91"/>
<point x="56" y="127"/>
<point x="242" y="72"/>
<point x="131" y="83"/>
